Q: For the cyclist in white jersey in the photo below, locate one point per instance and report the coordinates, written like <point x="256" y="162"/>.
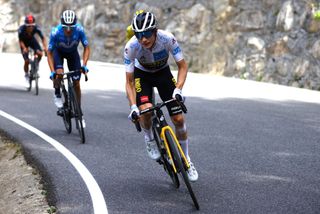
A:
<point x="146" y="62"/>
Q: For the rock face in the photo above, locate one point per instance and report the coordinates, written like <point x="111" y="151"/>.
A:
<point x="267" y="40"/>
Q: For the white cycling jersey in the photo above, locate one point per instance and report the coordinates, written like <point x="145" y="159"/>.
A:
<point x="155" y="59"/>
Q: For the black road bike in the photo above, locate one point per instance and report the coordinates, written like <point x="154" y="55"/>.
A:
<point x="71" y="106"/>
<point x="172" y="157"/>
<point x="33" y="72"/>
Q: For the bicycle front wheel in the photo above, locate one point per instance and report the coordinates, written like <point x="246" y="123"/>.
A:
<point x="36" y="79"/>
<point x="77" y="115"/>
<point x="164" y="157"/>
<point x="180" y="166"/>
<point x="66" y="112"/>
<point x="30" y="81"/>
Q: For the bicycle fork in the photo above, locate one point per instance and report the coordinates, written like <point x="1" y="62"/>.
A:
<point x="163" y="137"/>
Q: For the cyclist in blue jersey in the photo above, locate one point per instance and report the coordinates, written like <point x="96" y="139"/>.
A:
<point x="63" y="44"/>
<point x="26" y="34"/>
<point x="146" y="57"/>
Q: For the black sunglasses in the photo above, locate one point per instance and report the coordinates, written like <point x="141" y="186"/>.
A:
<point x="146" y="34"/>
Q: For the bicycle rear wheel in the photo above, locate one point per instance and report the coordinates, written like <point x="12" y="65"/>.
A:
<point x="164" y="157"/>
<point x="66" y="112"/>
<point x="180" y="166"/>
<point x="77" y="115"/>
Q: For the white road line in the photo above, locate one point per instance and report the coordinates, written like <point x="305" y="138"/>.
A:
<point x="98" y="202"/>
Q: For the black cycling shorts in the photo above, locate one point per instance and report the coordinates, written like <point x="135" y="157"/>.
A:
<point x="163" y="81"/>
<point x="73" y="62"/>
<point x="34" y="44"/>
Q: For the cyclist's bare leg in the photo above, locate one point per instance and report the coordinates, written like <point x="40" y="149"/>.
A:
<point x="145" y="121"/>
<point x="180" y="126"/>
<point x="76" y="85"/>
<point x="181" y="132"/>
<point x="26" y="66"/>
<point x="57" y="81"/>
<point x="39" y="55"/>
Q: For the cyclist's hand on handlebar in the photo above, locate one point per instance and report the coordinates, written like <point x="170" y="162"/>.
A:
<point x="134" y="111"/>
<point x="85" y="69"/>
<point x="52" y="75"/>
<point x="178" y="91"/>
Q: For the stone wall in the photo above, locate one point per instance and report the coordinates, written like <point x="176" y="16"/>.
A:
<point x="265" y="40"/>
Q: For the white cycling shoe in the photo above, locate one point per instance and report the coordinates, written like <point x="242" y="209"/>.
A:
<point x="57" y="101"/>
<point x="152" y="149"/>
<point x="192" y="173"/>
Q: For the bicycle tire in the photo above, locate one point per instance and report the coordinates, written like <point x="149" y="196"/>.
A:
<point x="66" y="112"/>
<point x="77" y="114"/>
<point x="30" y="83"/>
<point x="166" y="165"/>
<point x="30" y="76"/>
<point x="36" y="82"/>
<point x="179" y="164"/>
<point x="36" y="76"/>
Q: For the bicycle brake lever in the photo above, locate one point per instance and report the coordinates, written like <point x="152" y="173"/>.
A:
<point x="135" y="121"/>
<point x="180" y="102"/>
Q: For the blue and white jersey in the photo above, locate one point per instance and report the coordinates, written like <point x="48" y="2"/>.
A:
<point x="67" y="44"/>
<point x="155" y="59"/>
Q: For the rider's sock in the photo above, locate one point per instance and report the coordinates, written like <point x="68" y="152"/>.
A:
<point x="185" y="147"/>
<point x="148" y="135"/>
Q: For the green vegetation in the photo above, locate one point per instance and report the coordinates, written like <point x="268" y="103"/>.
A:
<point x="52" y="209"/>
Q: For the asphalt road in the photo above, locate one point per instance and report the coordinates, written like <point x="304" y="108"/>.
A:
<point x="256" y="146"/>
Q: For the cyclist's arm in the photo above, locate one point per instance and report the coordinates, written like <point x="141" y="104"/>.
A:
<point x="130" y="89"/>
<point x="23" y="46"/>
<point x="85" y="43"/>
<point x="50" y="60"/>
<point x="86" y="54"/>
<point x="182" y="73"/>
<point x="44" y="44"/>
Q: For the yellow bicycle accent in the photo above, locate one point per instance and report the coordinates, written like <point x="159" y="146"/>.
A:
<point x="162" y="135"/>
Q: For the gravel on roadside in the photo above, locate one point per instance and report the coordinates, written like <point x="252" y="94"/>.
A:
<point x="21" y="191"/>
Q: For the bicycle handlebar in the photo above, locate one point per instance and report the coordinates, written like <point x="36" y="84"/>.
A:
<point x="180" y="102"/>
<point x="178" y="99"/>
<point x="135" y="118"/>
<point x="71" y="72"/>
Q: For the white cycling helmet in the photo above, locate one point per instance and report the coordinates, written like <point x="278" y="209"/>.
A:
<point x="68" y="18"/>
<point x="143" y="22"/>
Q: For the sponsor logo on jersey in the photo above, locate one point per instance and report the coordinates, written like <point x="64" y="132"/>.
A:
<point x="160" y="55"/>
<point x="126" y="61"/>
<point x="142" y="59"/>
<point x="137" y="85"/>
<point x="155" y="65"/>
<point x="176" y="50"/>
<point x="144" y="99"/>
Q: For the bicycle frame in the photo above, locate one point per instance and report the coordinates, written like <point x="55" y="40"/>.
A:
<point x="33" y="72"/>
<point x="159" y="116"/>
<point x="173" y="150"/>
<point x="71" y="105"/>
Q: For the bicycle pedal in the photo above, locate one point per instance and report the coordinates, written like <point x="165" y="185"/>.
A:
<point x="160" y="161"/>
<point x="60" y="112"/>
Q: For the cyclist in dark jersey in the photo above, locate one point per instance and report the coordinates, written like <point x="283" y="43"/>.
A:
<point x="27" y="39"/>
